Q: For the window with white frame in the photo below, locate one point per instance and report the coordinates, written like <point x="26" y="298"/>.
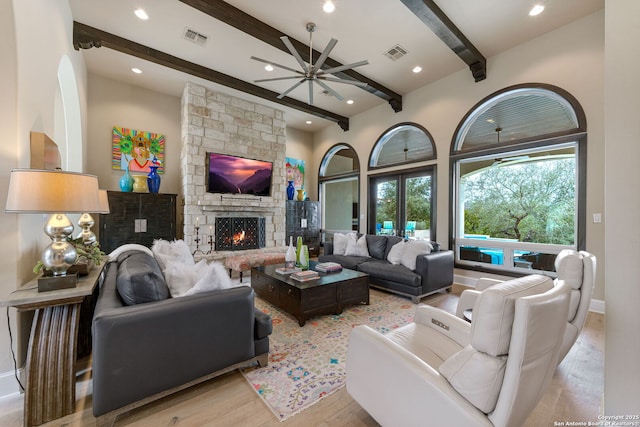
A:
<point x="518" y="164"/>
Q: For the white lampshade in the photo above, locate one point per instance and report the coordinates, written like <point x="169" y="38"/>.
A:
<point x="104" y="202"/>
<point x="47" y="191"/>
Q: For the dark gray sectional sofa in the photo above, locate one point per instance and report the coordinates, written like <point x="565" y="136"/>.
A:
<point x="433" y="273"/>
<point x="147" y="344"/>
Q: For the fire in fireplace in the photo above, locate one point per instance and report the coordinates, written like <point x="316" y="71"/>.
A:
<point x="240" y="233"/>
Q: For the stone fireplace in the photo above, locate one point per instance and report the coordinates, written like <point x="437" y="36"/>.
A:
<point x="215" y="122"/>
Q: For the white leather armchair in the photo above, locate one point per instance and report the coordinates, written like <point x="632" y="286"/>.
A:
<point x="443" y="371"/>
<point x="576" y="268"/>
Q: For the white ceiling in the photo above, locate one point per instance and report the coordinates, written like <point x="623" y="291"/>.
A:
<point x="365" y="29"/>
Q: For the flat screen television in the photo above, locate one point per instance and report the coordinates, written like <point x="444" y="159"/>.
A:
<point x="238" y="175"/>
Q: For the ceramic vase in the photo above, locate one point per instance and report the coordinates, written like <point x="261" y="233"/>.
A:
<point x="153" y="180"/>
<point x="140" y="184"/>
<point x="291" y="190"/>
<point x="298" y="248"/>
<point x="304" y="257"/>
<point x="301" y="195"/>
<point x="290" y="255"/>
<point x="126" y="182"/>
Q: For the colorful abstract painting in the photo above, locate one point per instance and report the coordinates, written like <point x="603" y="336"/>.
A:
<point x="136" y="149"/>
<point x="295" y="172"/>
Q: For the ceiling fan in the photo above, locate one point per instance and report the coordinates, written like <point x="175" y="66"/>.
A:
<point x="312" y="72"/>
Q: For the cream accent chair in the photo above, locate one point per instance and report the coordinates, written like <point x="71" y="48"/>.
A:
<point x="578" y="269"/>
<point x="443" y="371"/>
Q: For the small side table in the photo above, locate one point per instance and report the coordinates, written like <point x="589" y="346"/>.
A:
<point x="50" y="391"/>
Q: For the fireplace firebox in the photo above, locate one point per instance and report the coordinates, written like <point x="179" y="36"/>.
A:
<point x="240" y="233"/>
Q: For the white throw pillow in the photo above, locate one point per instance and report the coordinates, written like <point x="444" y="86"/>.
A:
<point x="215" y="277"/>
<point x="179" y="278"/>
<point x="412" y="249"/>
<point x="340" y="243"/>
<point x="113" y="256"/>
<point x="395" y="254"/>
<point x="167" y="252"/>
<point x="355" y="246"/>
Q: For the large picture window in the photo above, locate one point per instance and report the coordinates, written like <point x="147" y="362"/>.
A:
<point x="519" y="190"/>
<point x="339" y="181"/>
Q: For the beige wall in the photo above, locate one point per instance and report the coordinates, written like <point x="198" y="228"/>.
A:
<point x="30" y="100"/>
<point x="113" y="103"/>
<point x="622" y="241"/>
<point x="570" y="57"/>
<point x="300" y="146"/>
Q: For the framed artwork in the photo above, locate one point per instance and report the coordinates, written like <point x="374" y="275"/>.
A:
<point x="136" y="150"/>
<point x="295" y="171"/>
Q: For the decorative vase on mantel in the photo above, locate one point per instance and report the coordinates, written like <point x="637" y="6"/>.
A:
<point x="126" y="182"/>
<point x="291" y="191"/>
<point x="301" y="195"/>
<point x="153" y="179"/>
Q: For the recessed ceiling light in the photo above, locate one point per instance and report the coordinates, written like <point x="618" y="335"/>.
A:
<point x="536" y="10"/>
<point x="328" y="6"/>
<point x="308" y="122"/>
<point x="268" y="67"/>
<point x="140" y="13"/>
<point x="136" y="70"/>
<point x="417" y="69"/>
<point x="349" y="101"/>
<point x="490" y="121"/>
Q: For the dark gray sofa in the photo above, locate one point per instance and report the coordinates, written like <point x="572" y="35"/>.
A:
<point x="145" y="351"/>
<point x="433" y="273"/>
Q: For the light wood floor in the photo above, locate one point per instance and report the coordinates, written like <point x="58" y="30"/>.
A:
<point x="574" y="395"/>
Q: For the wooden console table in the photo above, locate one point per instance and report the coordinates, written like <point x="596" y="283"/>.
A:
<point x="50" y="391"/>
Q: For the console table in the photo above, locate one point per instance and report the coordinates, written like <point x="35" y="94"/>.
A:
<point x="50" y="390"/>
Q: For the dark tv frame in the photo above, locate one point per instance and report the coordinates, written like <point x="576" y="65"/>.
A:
<point x="256" y="167"/>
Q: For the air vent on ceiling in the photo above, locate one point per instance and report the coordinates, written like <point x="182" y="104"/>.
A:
<point x="395" y="52"/>
<point x="194" y="36"/>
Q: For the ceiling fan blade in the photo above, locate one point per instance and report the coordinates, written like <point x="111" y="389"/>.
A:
<point x="276" y="78"/>
<point x="328" y="89"/>
<point x="294" y="52"/>
<point x="343" y="67"/>
<point x="349" y="82"/>
<point x="284" y="67"/>
<point x="310" y="92"/>
<point x="325" y="54"/>
<point x="286" y="92"/>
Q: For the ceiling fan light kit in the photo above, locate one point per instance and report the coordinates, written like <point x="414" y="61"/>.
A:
<point x="312" y="72"/>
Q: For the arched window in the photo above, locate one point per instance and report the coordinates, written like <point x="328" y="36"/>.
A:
<point x="519" y="165"/>
<point x="403" y="143"/>
<point x="401" y="202"/>
<point x="339" y="182"/>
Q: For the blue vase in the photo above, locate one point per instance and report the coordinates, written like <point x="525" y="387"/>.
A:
<point x="126" y="182"/>
<point x="153" y="179"/>
<point x="291" y="190"/>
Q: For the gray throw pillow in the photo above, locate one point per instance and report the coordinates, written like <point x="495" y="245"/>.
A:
<point x="139" y="279"/>
<point x="377" y="246"/>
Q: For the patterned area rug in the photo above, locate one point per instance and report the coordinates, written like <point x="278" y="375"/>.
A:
<point x="308" y="363"/>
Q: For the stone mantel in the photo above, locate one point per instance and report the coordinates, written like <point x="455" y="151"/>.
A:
<point x="229" y="203"/>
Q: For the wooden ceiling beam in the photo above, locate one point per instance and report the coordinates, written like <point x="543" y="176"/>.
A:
<point x="248" y="24"/>
<point x="86" y="37"/>
<point x="434" y="18"/>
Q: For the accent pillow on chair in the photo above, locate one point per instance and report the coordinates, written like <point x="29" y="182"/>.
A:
<point x="139" y="279"/>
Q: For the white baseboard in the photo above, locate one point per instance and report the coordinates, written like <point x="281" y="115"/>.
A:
<point x="8" y="384"/>
<point x="597" y="306"/>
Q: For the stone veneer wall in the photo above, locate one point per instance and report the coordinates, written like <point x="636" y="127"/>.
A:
<point x="216" y="122"/>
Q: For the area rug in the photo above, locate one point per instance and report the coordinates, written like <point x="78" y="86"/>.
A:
<point x="308" y="363"/>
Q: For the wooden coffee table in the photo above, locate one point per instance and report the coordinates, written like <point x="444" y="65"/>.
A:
<point x="329" y="294"/>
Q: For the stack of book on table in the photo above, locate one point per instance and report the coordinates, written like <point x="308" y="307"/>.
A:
<point x="303" y="276"/>
<point x="285" y="270"/>
<point x="328" y="267"/>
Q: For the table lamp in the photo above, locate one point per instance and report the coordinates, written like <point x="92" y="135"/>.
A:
<point x="86" y="221"/>
<point x="54" y="192"/>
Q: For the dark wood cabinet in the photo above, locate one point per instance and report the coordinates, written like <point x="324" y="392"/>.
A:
<point x="137" y="218"/>
<point x="303" y="219"/>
